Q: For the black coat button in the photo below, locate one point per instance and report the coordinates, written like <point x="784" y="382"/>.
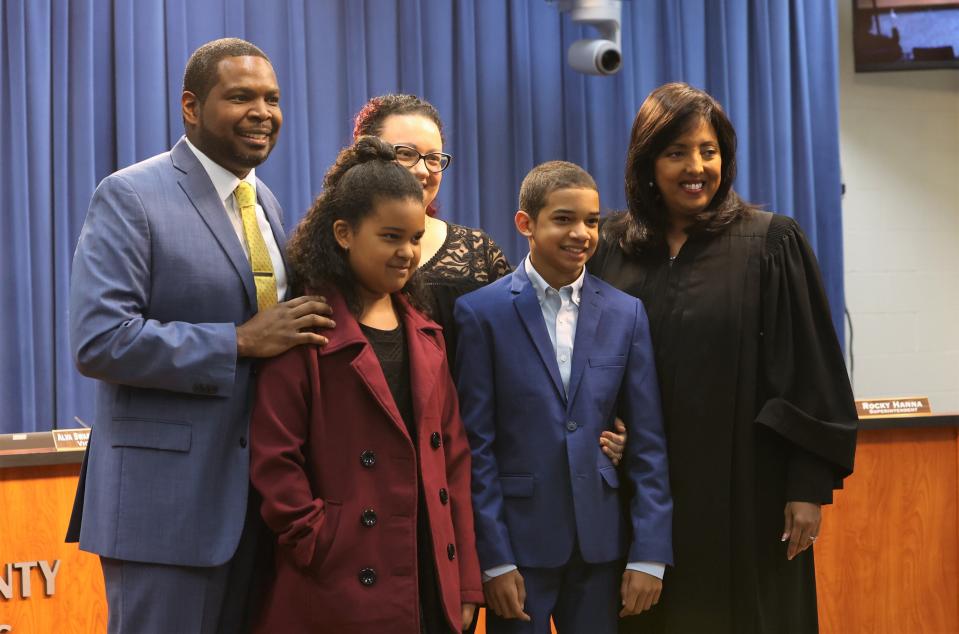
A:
<point x="367" y="576"/>
<point x="444" y="496"/>
<point x="368" y="518"/>
<point x="435" y="440"/>
<point x="451" y="551"/>
<point x="571" y="425"/>
<point x="368" y="458"/>
<point x="242" y="442"/>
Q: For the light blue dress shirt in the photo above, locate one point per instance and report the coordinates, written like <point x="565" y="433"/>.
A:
<point x="560" y="312"/>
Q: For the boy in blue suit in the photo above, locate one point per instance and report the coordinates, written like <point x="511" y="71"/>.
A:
<point x="548" y="356"/>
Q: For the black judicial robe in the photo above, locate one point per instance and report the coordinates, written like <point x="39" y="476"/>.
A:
<point x="758" y="411"/>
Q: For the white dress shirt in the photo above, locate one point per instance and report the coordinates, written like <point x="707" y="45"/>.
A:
<point x="561" y="314"/>
<point x="225" y="182"/>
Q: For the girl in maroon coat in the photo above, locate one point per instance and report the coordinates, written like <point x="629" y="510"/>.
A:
<point x="358" y="449"/>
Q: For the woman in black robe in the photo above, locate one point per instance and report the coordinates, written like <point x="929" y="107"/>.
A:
<point x="760" y="418"/>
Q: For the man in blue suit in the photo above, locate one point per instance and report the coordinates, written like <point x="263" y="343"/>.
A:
<point x="177" y="286"/>
<point x="555" y="527"/>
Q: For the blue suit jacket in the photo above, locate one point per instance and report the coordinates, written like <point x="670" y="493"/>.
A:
<point x="159" y="282"/>
<point x="540" y="481"/>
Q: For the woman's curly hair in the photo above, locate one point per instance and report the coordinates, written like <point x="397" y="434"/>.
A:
<point x="363" y="174"/>
<point x="373" y="115"/>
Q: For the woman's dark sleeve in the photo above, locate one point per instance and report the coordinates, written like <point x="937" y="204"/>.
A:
<point x="496" y="259"/>
<point x="809" y="400"/>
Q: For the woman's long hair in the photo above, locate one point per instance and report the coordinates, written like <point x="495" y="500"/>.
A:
<point x="667" y="113"/>
<point x="364" y="173"/>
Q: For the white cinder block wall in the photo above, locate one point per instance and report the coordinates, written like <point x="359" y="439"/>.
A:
<point x="899" y="134"/>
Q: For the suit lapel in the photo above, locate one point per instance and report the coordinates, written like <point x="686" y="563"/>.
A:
<point x="528" y="308"/>
<point x="426" y="359"/>
<point x="590" y="310"/>
<point x="199" y="189"/>
<point x="368" y="367"/>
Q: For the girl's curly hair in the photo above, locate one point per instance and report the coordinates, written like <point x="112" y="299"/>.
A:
<point x="363" y="174"/>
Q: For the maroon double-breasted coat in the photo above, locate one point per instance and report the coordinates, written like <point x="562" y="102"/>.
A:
<point x="337" y="470"/>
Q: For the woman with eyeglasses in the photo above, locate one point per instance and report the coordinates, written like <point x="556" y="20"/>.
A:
<point x="455" y="259"/>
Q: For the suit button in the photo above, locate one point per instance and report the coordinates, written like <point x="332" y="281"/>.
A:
<point x="435" y="440"/>
<point x="368" y="459"/>
<point x="571" y="425"/>
<point x="451" y="551"/>
<point x="368" y="518"/>
<point x="242" y="442"/>
<point x="367" y="576"/>
<point x="444" y="496"/>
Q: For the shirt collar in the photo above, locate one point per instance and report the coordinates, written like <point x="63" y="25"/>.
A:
<point x="224" y="181"/>
<point x="540" y="285"/>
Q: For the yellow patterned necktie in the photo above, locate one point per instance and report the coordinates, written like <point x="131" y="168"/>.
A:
<point x="259" y="257"/>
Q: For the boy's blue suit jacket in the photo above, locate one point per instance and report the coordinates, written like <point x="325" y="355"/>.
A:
<point x="540" y="481"/>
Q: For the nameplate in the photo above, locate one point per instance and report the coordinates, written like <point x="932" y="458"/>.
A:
<point x="26" y="442"/>
<point x="904" y="406"/>
<point x="44" y="441"/>
<point x="71" y="439"/>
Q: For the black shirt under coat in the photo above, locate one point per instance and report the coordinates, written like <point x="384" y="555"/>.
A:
<point x="393" y="355"/>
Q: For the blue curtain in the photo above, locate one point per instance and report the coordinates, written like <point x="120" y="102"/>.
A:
<point x="89" y="86"/>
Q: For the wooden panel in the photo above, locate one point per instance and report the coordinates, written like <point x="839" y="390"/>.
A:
<point x="481" y="623"/>
<point x="888" y="555"/>
<point x="887" y="559"/>
<point x="35" y="505"/>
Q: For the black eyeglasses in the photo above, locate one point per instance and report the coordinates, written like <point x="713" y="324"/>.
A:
<point x="408" y="156"/>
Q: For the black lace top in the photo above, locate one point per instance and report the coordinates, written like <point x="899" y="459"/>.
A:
<point x="467" y="260"/>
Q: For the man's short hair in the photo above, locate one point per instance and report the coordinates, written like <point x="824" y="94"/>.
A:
<point x="200" y="75"/>
<point x="548" y="177"/>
